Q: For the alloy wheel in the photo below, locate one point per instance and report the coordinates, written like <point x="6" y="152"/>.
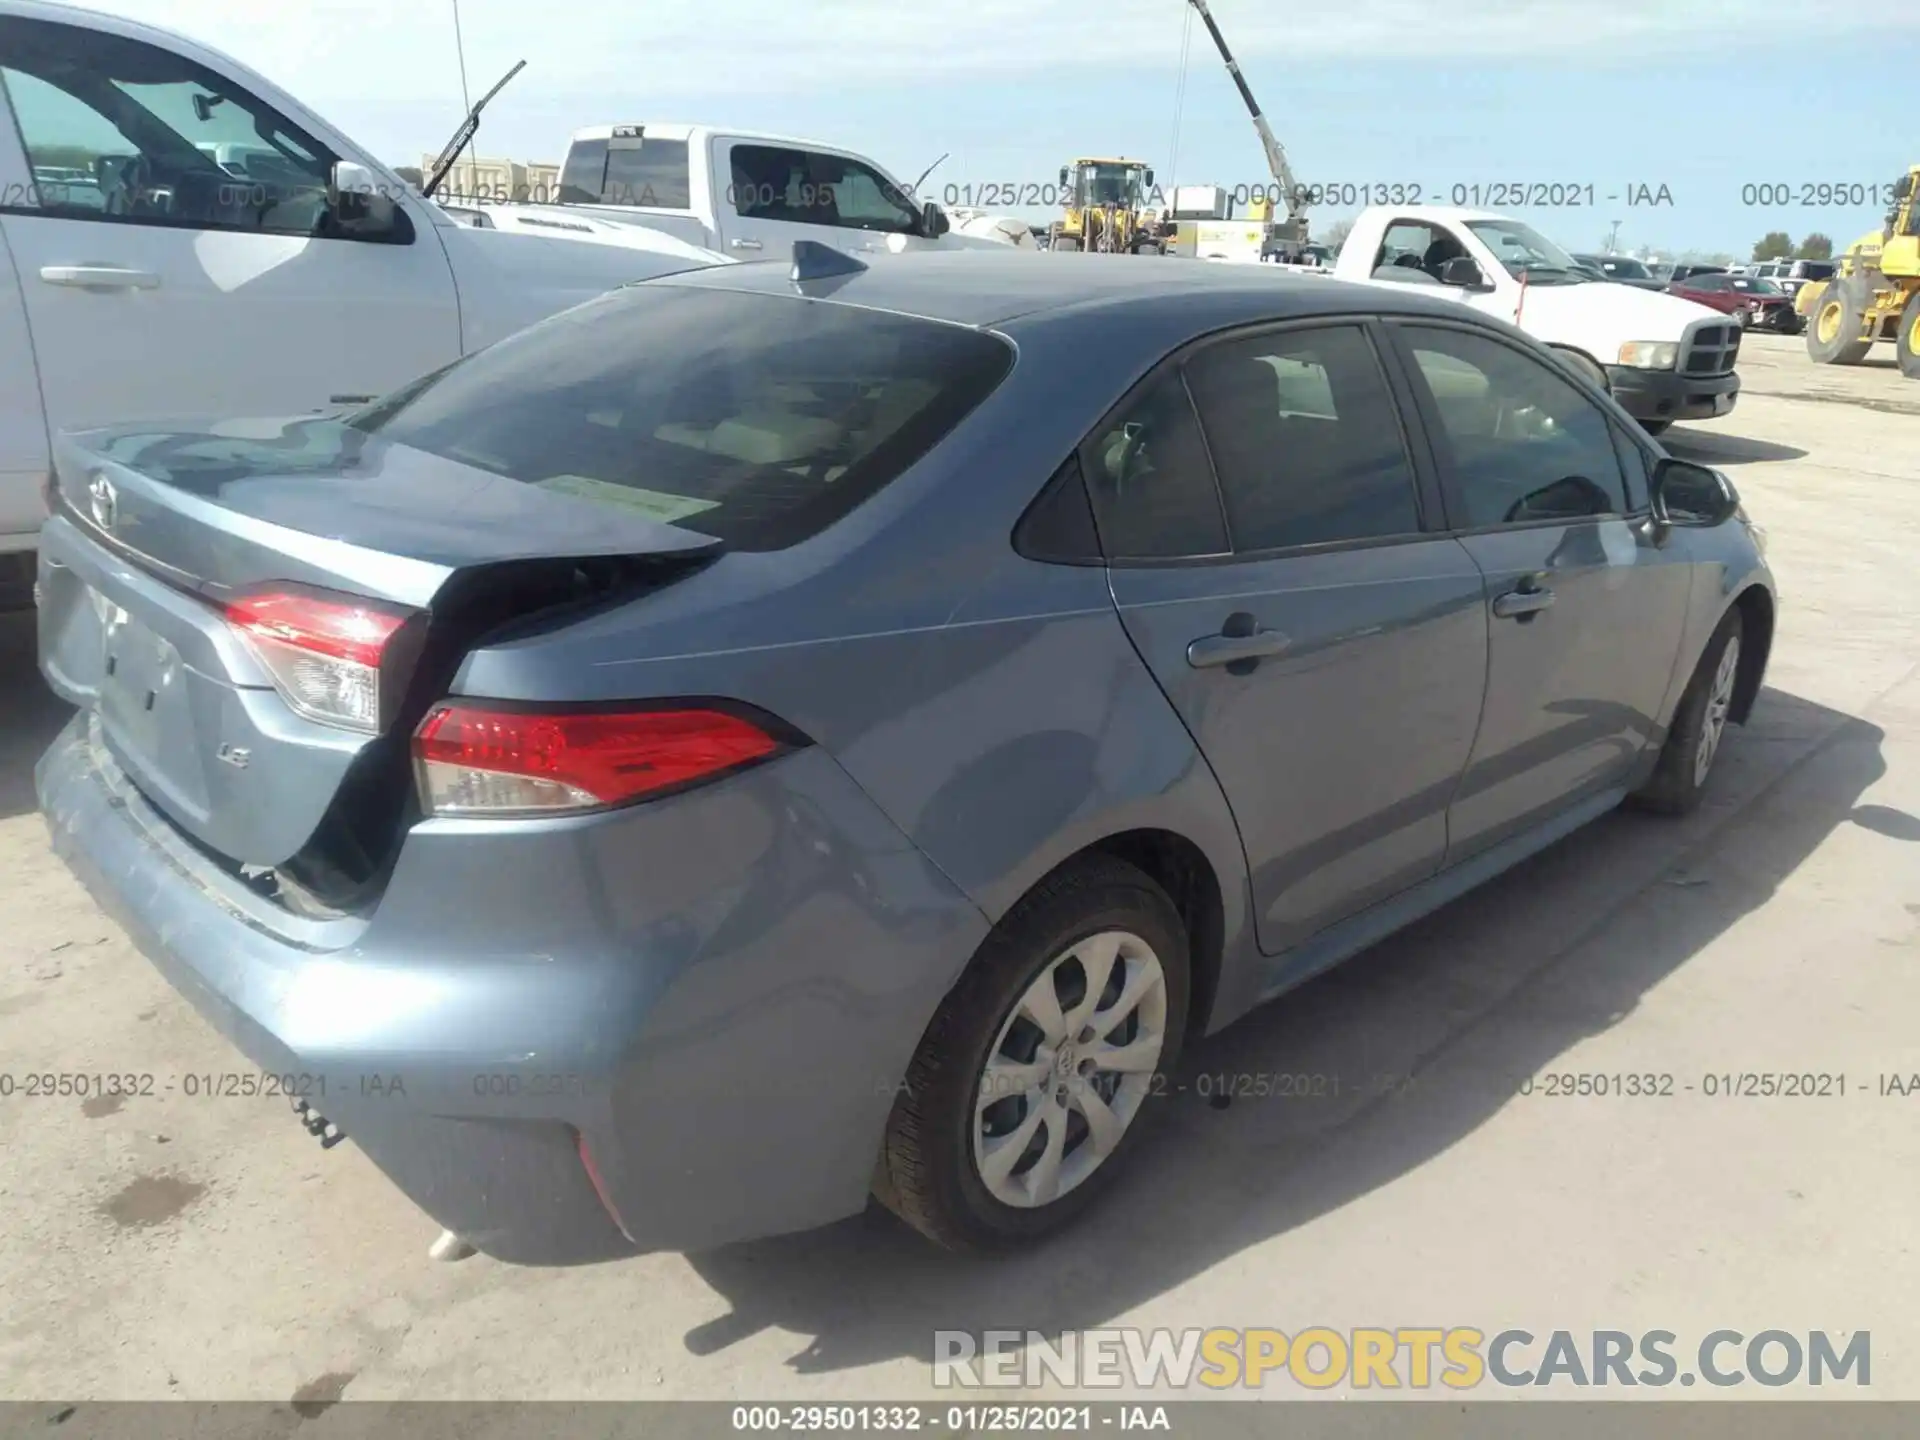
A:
<point x="1070" y="1069"/>
<point x="1713" y="724"/>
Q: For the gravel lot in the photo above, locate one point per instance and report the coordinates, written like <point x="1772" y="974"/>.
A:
<point x="209" y="1249"/>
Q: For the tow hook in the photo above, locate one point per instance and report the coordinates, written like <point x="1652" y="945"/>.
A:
<point x="316" y="1124"/>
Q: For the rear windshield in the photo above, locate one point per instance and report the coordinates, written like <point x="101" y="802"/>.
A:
<point x="756" y="419"/>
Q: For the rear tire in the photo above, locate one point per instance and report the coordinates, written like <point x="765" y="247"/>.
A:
<point x="940" y="1169"/>
<point x="1699" y="727"/>
<point x="1835" y="323"/>
<point x="1908" y="343"/>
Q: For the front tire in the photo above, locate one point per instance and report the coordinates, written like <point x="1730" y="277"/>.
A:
<point x="1031" y="1080"/>
<point x="1700" y="723"/>
<point x="1908" y="345"/>
<point x="1834" y="326"/>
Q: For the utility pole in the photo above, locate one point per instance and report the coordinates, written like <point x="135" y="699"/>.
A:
<point x="1613" y="236"/>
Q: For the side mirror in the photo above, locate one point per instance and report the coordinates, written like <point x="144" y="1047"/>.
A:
<point x="1148" y="179"/>
<point x="1464" y="273"/>
<point x="934" y="220"/>
<point x="362" y="206"/>
<point x="1689" y="494"/>
<point x="1063" y="174"/>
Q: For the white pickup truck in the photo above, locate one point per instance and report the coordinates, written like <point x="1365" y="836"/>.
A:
<point x="751" y="195"/>
<point x="179" y="236"/>
<point x="1663" y="358"/>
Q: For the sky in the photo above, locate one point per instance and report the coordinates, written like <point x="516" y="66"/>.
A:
<point x="1698" y="125"/>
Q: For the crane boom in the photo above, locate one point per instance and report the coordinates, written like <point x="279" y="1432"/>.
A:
<point x="1295" y="196"/>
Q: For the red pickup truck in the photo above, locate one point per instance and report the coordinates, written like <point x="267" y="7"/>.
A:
<point x="1756" y="303"/>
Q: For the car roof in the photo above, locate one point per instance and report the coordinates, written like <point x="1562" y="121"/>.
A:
<point x="985" y="288"/>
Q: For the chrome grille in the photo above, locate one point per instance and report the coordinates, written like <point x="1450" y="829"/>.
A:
<point x="1711" y="348"/>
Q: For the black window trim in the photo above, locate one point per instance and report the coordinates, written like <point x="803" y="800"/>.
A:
<point x="848" y="161"/>
<point x="1626" y="436"/>
<point x="1432" y="227"/>
<point x="1068" y="475"/>
<point x="1415" y="446"/>
<point x="1610" y="414"/>
<point x="1169" y="364"/>
<point x="404" y="232"/>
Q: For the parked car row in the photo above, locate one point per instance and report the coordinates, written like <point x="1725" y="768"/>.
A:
<point x="1623" y="269"/>
<point x="1789" y="275"/>
<point x="1753" y="295"/>
<point x="1753" y="302"/>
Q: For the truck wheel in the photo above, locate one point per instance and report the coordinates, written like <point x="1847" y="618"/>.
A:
<point x="1030" y="1080"/>
<point x="1699" y="725"/>
<point x="1655" y="427"/>
<point x="1834" y="326"/>
<point x="1908" y="348"/>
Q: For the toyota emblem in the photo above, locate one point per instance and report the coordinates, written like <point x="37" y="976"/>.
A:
<point x="104" y="502"/>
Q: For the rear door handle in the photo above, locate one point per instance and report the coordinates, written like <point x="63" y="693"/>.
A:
<point x="1522" y="604"/>
<point x="99" y="277"/>
<point x="1230" y="649"/>
<point x="746" y="245"/>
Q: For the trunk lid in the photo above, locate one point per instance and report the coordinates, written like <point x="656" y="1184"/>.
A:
<point x="156" y="532"/>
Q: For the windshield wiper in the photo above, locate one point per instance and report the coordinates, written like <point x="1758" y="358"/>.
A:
<point x="466" y="132"/>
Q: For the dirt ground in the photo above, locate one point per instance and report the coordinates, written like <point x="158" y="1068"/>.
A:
<point x="210" y="1249"/>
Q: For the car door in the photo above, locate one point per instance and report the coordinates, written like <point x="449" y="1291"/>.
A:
<point x="777" y="194"/>
<point x="1263" y="517"/>
<point x="23" y="426"/>
<point x="158" y="283"/>
<point x="1585" y="599"/>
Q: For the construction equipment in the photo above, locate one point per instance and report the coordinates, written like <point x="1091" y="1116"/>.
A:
<point x="1106" y="210"/>
<point x="1285" y="239"/>
<point x="1875" y="292"/>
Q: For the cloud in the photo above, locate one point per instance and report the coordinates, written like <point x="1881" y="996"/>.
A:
<point x="655" y="50"/>
<point x="387" y="71"/>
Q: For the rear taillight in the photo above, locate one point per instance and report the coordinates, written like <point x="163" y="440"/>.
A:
<point x="326" y="653"/>
<point x="498" y="760"/>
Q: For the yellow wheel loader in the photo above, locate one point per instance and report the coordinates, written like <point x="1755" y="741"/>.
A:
<point x="1105" y="209"/>
<point x="1875" y="291"/>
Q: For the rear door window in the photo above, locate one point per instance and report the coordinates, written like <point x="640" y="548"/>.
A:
<point x="757" y="419"/>
<point x="1306" y="439"/>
